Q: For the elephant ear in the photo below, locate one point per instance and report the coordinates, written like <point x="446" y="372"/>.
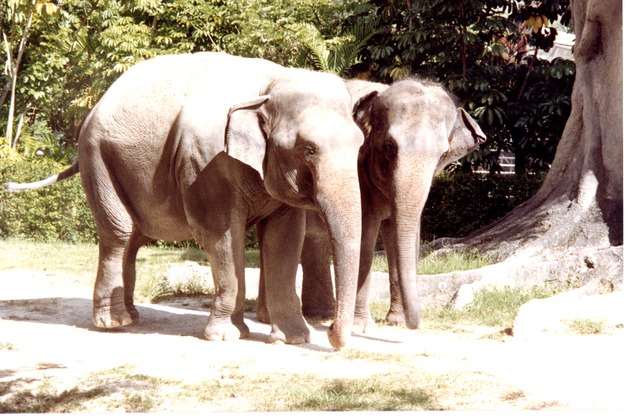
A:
<point x="245" y="139"/>
<point x="465" y="137"/>
<point x="362" y="110"/>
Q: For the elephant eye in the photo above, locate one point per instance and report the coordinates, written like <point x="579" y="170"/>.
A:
<point x="309" y="150"/>
<point x="390" y="148"/>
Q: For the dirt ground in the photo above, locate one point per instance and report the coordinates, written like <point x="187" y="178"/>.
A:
<point x="47" y="338"/>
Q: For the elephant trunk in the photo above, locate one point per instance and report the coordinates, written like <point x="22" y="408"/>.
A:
<point x="410" y="194"/>
<point x="340" y="206"/>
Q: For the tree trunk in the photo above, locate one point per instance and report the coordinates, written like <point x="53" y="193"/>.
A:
<point x="14" y="69"/>
<point x="572" y="228"/>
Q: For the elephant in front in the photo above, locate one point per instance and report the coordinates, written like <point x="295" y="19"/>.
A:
<point x="204" y="146"/>
<point x="413" y="129"/>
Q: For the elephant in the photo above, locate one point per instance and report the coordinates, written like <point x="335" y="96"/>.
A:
<point x="204" y="146"/>
<point x="413" y="129"/>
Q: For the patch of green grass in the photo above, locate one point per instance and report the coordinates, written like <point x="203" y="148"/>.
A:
<point x="374" y="357"/>
<point x="493" y="307"/>
<point x="407" y="386"/>
<point x="269" y="392"/>
<point x="379" y="310"/>
<point x="586" y="325"/>
<point x="47" y="401"/>
<point x="138" y="393"/>
<point x="158" y="290"/>
<point x="453" y="261"/>
<point x="375" y="393"/>
<point x="440" y="263"/>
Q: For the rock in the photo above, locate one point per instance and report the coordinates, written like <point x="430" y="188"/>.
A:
<point x="557" y="313"/>
<point x="189" y="276"/>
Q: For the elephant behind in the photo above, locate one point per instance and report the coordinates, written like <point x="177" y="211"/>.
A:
<point x="205" y="145"/>
<point x="413" y="129"/>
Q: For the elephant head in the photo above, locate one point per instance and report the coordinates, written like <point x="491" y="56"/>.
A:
<point x="413" y="130"/>
<point x="302" y="140"/>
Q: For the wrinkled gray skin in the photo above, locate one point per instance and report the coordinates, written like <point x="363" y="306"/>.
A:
<point x="205" y="145"/>
<point x="413" y="129"/>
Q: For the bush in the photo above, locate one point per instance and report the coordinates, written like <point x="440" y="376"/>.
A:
<point x="57" y="212"/>
<point x="459" y="204"/>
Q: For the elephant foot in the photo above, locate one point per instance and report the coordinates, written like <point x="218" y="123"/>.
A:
<point x="337" y="337"/>
<point x="290" y="333"/>
<point x="112" y="317"/>
<point x="226" y="331"/>
<point x="363" y="324"/>
<point x="396" y="319"/>
<point x="133" y="313"/>
<point x="262" y="313"/>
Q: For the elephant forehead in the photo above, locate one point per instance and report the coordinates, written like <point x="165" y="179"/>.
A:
<point x="323" y="124"/>
<point x="305" y="89"/>
<point x="293" y="104"/>
<point x="420" y="134"/>
<point x="326" y="129"/>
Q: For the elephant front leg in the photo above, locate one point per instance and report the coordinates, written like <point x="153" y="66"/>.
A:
<point x="284" y="233"/>
<point x="109" y="309"/>
<point x="396" y="314"/>
<point x="318" y="298"/>
<point x="362" y="318"/>
<point x="227" y="259"/>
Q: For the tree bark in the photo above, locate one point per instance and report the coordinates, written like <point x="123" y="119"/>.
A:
<point x="14" y="69"/>
<point x="574" y="223"/>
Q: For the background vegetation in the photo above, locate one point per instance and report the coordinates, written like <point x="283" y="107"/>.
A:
<point x="60" y="57"/>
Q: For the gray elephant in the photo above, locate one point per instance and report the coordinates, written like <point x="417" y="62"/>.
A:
<point x="204" y="146"/>
<point x="413" y="129"/>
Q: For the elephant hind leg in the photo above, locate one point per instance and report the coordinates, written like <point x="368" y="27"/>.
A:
<point x="114" y="225"/>
<point x="109" y="309"/>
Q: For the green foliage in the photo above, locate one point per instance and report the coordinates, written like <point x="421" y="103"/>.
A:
<point x="459" y="203"/>
<point x="478" y="50"/>
<point x="58" y="212"/>
<point x="339" y="54"/>
<point x="75" y="52"/>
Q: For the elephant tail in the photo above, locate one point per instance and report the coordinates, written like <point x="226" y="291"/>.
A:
<point x="17" y="187"/>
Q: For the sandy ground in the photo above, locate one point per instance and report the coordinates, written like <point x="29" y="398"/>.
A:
<point x="46" y="337"/>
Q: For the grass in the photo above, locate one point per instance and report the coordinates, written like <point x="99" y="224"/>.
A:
<point x="497" y="307"/>
<point x="586" y="326"/>
<point x="493" y="307"/>
<point x="405" y="387"/>
<point x="440" y="263"/>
